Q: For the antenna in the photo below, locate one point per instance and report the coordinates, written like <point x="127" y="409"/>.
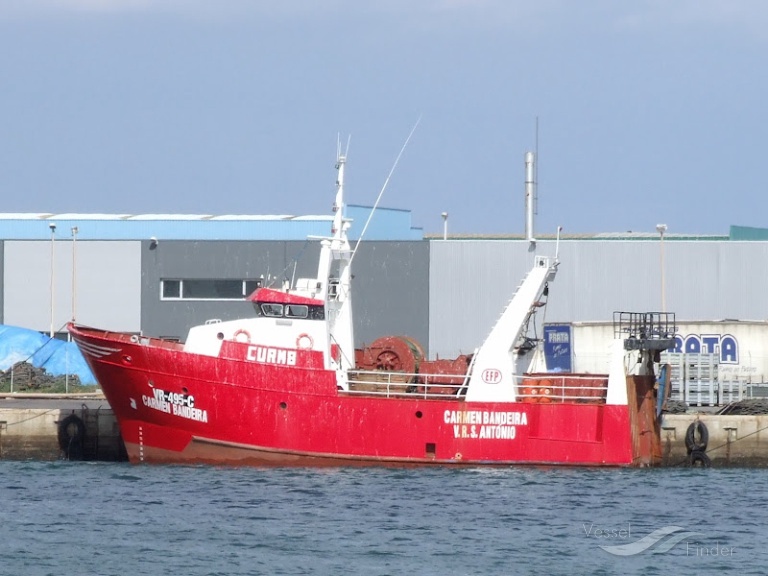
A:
<point x="384" y="187"/>
<point x="293" y="276"/>
<point x="557" y="242"/>
<point x="338" y="146"/>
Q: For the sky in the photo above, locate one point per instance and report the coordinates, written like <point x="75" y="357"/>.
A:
<point x="642" y="112"/>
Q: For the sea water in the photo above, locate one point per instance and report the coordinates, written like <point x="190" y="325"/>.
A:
<point x="116" y="518"/>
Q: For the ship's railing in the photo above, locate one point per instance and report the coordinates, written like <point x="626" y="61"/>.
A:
<point x="645" y="330"/>
<point x="531" y="388"/>
<point x="399" y="384"/>
<point x="151" y="341"/>
<point x="564" y="387"/>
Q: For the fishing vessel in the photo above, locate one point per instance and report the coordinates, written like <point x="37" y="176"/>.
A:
<point x="286" y="386"/>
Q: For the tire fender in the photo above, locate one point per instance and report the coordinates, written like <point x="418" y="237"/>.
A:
<point x="697" y="457"/>
<point x="71" y="433"/>
<point x="690" y="437"/>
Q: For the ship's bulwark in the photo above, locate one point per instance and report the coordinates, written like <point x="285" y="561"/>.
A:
<point x="187" y="408"/>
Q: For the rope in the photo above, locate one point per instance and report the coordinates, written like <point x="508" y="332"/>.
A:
<point x="31" y="418"/>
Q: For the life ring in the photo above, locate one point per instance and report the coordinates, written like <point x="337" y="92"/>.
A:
<point x="690" y="437"/>
<point x="530" y="395"/>
<point x="242" y="332"/>
<point x="70" y="434"/>
<point x="304" y="341"/>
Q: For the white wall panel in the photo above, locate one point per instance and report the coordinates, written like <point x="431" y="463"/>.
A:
<point x="107" y="284"/>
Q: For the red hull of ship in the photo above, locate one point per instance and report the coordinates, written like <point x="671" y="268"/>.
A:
<point x="176" y="407"/>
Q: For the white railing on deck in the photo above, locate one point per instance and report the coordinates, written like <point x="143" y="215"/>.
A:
<point x="541" y="388"/>
<point x="591" y="388"/>
<point x="400" y="384"/>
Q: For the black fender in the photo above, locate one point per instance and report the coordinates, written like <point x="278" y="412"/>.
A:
<point x="700" y="458"/>
<point x="690" y="437"/>
<point x="71" y="434"/>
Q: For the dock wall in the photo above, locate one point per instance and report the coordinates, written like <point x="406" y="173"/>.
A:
<point x="86" y="429"/>
<point x="59" y="429"/>
<point x="733" y="440"/>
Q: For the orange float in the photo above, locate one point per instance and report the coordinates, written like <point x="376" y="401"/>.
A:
<point x="545" y="392"/>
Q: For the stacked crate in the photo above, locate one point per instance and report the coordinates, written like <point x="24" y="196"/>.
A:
<point x="693" y="378"/>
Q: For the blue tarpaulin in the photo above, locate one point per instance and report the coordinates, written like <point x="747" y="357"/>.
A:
<point x="55" y="356"/>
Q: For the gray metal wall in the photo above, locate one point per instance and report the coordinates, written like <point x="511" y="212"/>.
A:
<point x="390" y="281"/>
<point x="471" y="282"/>
<point x="445" y="294"/>
<point x="208" y="260"/>
<point x="107" y="287"/>
<point x="391" y="291"/>
<point x="703" y="280"/>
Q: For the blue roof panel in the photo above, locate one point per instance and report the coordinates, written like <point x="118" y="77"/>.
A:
<point x="386" y="224"/>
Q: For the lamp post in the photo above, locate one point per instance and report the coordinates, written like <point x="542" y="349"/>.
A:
<point x="52" y="226"/>
<point x="661" y="229"/>
<point x="74" y="270"/>
<point x="445" y="225"/>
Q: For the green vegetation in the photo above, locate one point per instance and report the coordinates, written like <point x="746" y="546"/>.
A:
<point x="26" y="378"/>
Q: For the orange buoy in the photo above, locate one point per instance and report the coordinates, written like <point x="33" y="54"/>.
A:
<point x="529" y="395"/>
<point x="545" y="392"/>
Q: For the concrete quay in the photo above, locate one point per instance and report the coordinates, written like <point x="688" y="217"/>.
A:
<point x="58" y="426"/>
<point x="83" y="427"/>
<point x="733" y="440"/>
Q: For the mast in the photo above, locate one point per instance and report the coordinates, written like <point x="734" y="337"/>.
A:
<point x="335" y="274"/>
<point x="529" y="197"/>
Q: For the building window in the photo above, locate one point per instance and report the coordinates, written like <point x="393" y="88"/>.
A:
<point x="251" y="286"/>
<point x="170" y="289"/>
<point x="207" y="289"/>
<point x="213" y="289"/>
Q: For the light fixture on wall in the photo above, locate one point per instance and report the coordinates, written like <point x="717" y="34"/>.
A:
<point x="74" y="270"/>
<point x="52" y="226"/>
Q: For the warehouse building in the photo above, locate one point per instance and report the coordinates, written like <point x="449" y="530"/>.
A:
<point x="161" y="274"/>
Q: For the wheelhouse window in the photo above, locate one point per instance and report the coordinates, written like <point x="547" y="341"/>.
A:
<point x="272" y="310"/>
<point x="295" y="311"/>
